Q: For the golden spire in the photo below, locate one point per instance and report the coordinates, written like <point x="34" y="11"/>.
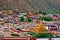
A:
<point x="41" y="24"/>
<point x="40" y="28"/>
<point x="5" y="12"/>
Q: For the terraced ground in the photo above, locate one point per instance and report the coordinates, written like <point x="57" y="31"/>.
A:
<point x="50" y="6"/>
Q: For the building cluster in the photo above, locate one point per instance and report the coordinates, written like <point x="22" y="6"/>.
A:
<point x="10" y="23"/>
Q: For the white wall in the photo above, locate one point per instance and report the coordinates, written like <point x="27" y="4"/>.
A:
<point x="43" y="39"/>
<point x="55" y="38"/>
<point x="46" y="27"/>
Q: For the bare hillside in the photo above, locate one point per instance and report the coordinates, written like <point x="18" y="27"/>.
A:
<point x="50" y="6"/>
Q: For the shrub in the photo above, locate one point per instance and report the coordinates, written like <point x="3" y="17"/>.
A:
<point x="31" y="33"/>
<point x="29" y="19"/>
<point x="47" y="19"/>
<point x="22" y="19"/>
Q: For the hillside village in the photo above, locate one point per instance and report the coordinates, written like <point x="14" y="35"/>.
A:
<point x="29" y="19"/>
<point x="15" y="24"/>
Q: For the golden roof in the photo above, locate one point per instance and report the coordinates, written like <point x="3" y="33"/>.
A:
<point x="41" y="24"/>
<point x="40" y="28"/>
<point x="4" y="11"/>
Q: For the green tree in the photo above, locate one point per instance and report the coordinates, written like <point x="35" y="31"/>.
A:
<point x="44" y="35"/>
<point x="50" y="35"/>
<point x="40" y="35"/>
<point x="36" y="13"/>
<point x="18" y="29"/>
<point x="31" y="33"/>
<point x="29" y="19"/>
<point x="44" y="13"/>
<point x="22" y="19"/>
<point x="13" y="34"/>
<point x="47" y="19"/>
<point x="41" y="12"/>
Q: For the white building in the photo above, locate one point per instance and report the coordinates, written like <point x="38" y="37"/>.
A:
<point x="23" y="13"/>
<point x="43" y="39"/>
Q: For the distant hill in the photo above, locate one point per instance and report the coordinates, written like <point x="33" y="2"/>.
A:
<point x="50" y="6"/>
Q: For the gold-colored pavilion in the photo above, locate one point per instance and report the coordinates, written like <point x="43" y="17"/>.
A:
<point x="40" y="29"/>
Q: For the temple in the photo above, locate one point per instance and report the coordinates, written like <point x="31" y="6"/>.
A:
<point x="40" y="28"/>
